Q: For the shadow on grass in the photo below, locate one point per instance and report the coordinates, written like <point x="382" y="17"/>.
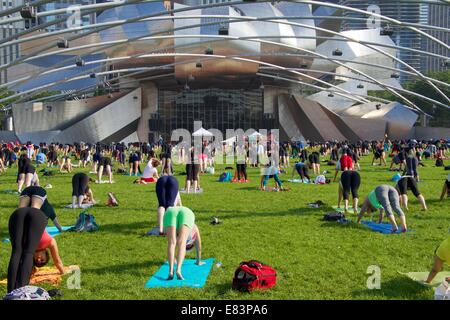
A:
<point x="398" y="288"/>
<point x="133" y="227"/>
<point x="131" y="268"/>
<point x="230" y="214"/>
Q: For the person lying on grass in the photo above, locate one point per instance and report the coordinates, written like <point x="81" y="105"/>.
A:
<point x="384" y="198"/>
<point x="441" y="256"/>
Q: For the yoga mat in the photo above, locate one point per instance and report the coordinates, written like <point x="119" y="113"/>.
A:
<point x="341" y="209"/>
<point x="299" y="181"/>
<point x="153" y="232"/>
<point x="194" y="276"/>
<point x="103" y="181"/>
<point x="52" y="231"/>
<point x="83" y="206"/>
<point x="384" y="228"/>
<point x="192" y="191"/>
<point x="127" y="174"/>
<point x="420" y="277"/>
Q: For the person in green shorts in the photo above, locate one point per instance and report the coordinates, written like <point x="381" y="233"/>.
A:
<point x="442" y="255"/>
<point x="178" y="222"/>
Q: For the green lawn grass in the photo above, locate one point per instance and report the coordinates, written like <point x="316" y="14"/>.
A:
<point x="314" y="259"/>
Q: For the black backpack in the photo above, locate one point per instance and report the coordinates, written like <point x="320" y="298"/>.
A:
<point x="333" y="216"/>
<point x="439" y="163"/>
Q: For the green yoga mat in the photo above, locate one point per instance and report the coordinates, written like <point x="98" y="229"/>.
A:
<point x="341" y="209"/>
<point x="420" y="277"/>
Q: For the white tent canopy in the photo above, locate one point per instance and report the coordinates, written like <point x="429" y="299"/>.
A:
<point x="230" y="140"/>
<point x="202" y="133"/>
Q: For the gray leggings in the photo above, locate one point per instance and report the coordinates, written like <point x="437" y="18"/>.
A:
<point x="389" y="199"/>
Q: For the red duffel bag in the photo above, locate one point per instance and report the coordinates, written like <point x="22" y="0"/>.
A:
<point x="253" y="274"/>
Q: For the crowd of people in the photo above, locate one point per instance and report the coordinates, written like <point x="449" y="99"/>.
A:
<point x="176" y="222"/>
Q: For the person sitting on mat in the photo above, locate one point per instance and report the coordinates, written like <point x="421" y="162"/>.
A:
<point x="36" y="197"/>
<point x="350" y="181"/>
<point x="446" y="188"/>
<point x="302" y="170"/>
<point x="441" y="256"/>
<point x="168" y="196"/>
<point x="405" y="183"/>
<point x="150" y="172"/>
<point x="384" y="198"/>
<point x="178" y="222"/>
<point x="81" y="192"/>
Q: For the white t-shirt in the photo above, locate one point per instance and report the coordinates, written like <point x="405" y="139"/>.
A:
<point x="149" y="171"/>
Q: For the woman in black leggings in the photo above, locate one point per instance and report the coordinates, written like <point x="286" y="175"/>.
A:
<point x="350" y="181"/>
<point x="26" y="226"/>
<point x="104" y="163"/>
<point x="168" y="196"/>
<point x="25" y="173"/>
<point x="402" y="187"/>
<point x="192" y="172"/>
<point x="80" y="189"/>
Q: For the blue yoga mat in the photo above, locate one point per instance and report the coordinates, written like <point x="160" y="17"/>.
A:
<point x="384" y="228"/>
<point x="52" y="231"/>
<point x="194" y="276"/>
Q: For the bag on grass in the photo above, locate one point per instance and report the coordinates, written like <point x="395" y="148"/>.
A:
<point x="253" y="274"/>
<point x="28" y="293"/>
<point x="439" y="162"/>
<point x="85" y="223"/>
<point x="225" y="177"/>
<point x="333" y="216"/>
<point x="112" y="200"/>
<point x="442" y="292"/>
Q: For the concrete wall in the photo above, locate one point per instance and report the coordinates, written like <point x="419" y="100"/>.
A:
<point x="430" y="133"/>
<point x="58" y="115"/>
<point x="149" y="106"/>
<point x="107" y="121"/>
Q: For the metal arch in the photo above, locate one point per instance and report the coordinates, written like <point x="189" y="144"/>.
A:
<point x="78" y="77"/>
<point x="295" y="24"/>
<point x="224" y="38"/>
<point x="253" y="61"/>
<point x="316" y="29"/>
<point x="190" y="26"/>
<point x="313" y="53"/>
<point x="395" y="21"/>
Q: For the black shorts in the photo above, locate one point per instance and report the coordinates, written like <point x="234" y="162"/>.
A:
<point x="192" y="171"/>
<point x="83" y="156"/>
<point x="26" y="169"/>
<point x="105" y="161"/>
<point x="447" y="183"/>
<point x="314" y="158"/>
<point x="166" y="156"/>
<point x="52" y="156"/>
<point x="406" y="183"/>
<point x="35" y="191"/>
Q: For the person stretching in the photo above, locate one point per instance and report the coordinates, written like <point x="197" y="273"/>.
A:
<point x="26" y="226"/>
<point x="168" y="196"/>
<point x="104" y="163"/>
<point x="441" y="256"/>
<point x="81" y="190"/>
<point x="350" y="181"/>
<point x="302" y="170"/>
<point x="446" y="188"/>
<point x="405" y="183"/>
<point x="178" y="222"/>
<point x="384" y="198"/>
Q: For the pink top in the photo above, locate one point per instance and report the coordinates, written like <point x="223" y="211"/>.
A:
<point x="45" y="242"/>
